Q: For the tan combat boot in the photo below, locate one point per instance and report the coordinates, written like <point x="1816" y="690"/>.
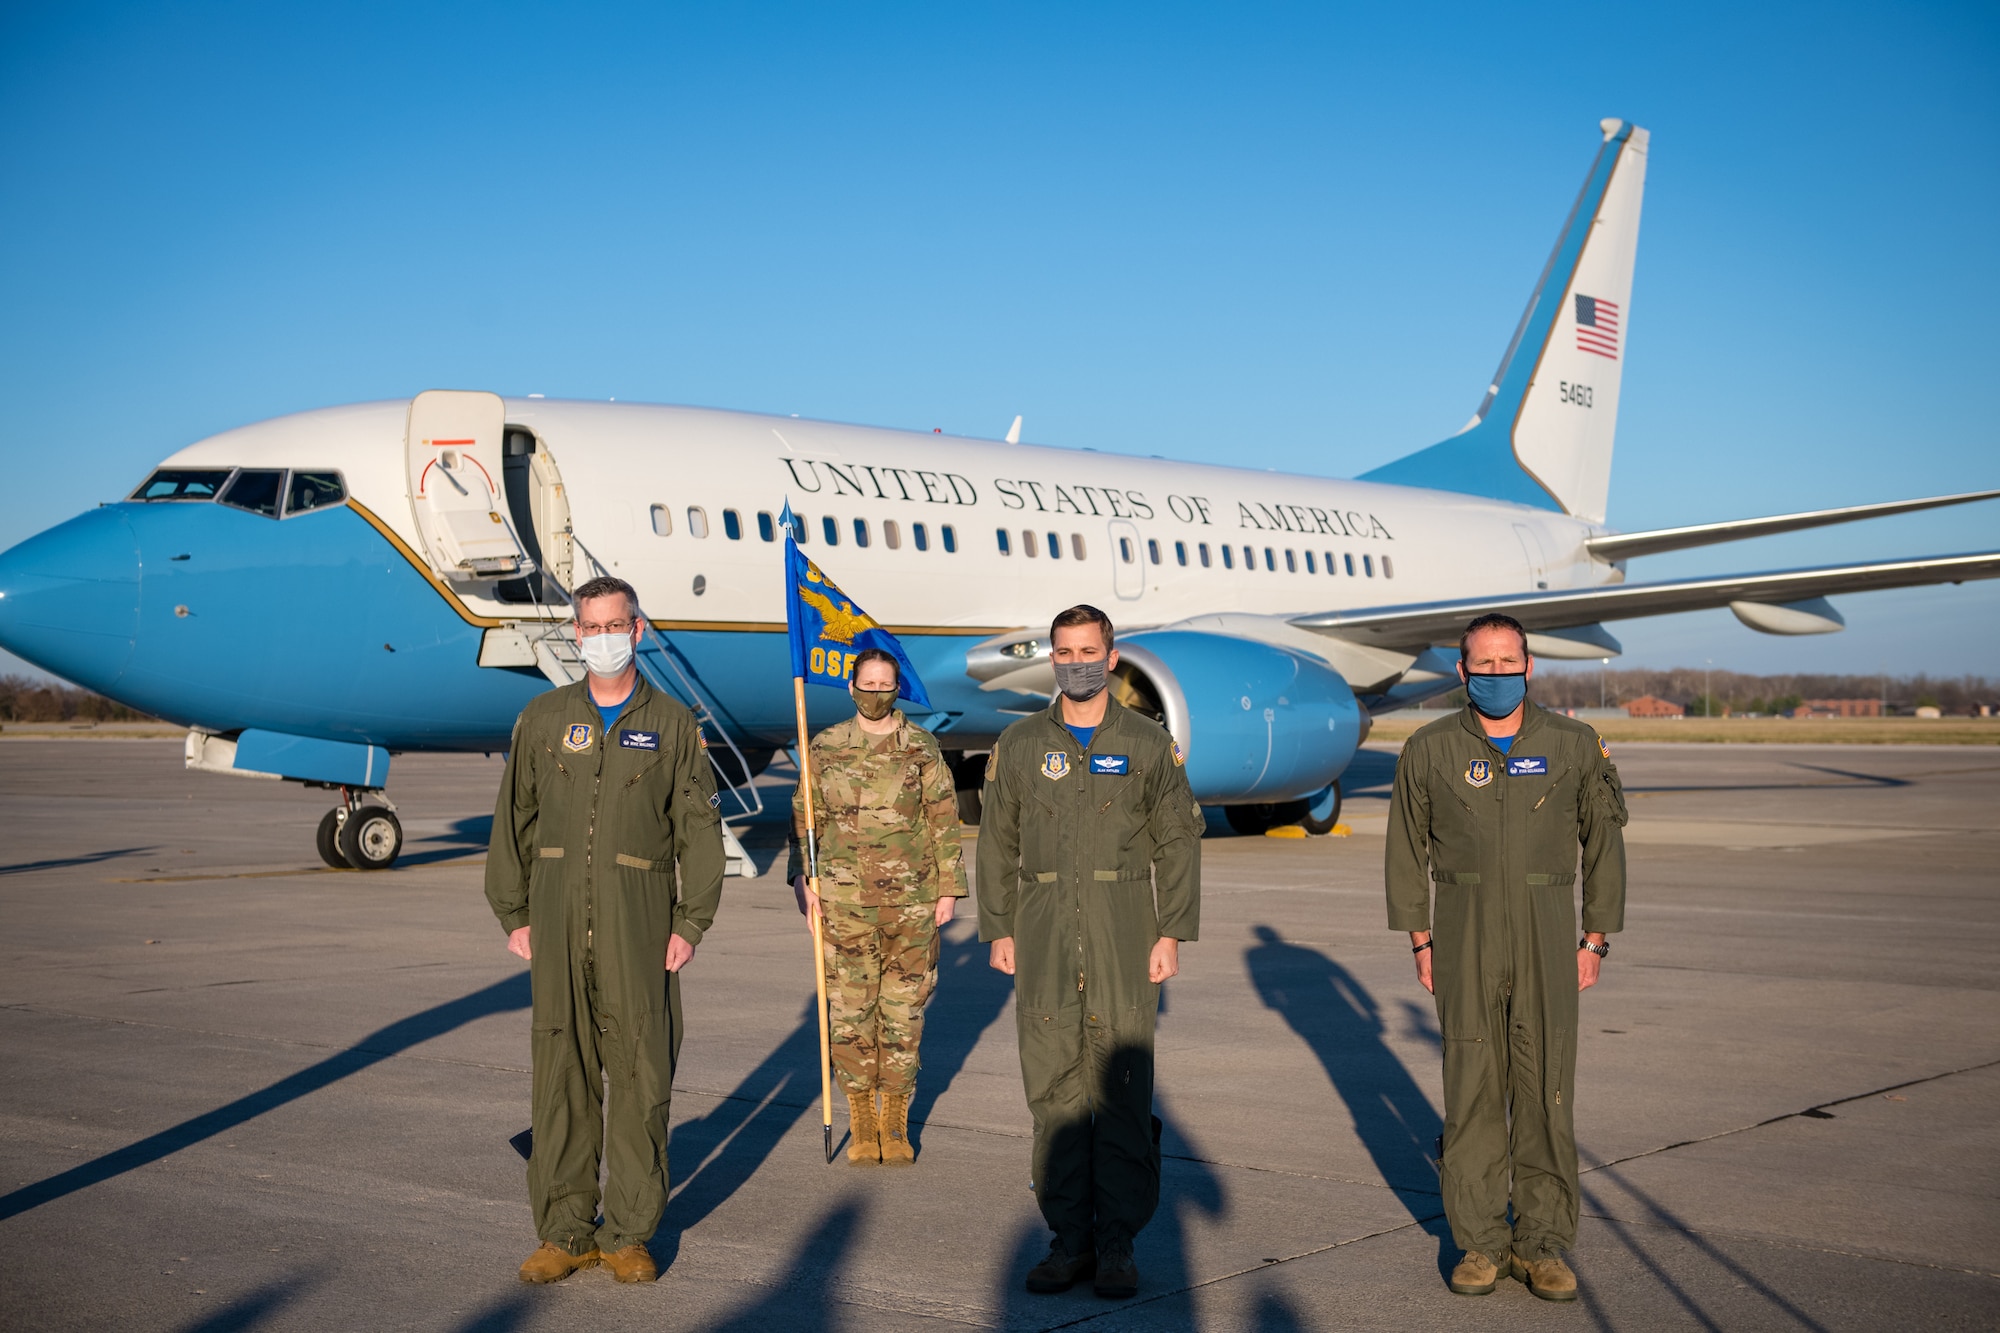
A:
<point x="1548" y="1278"/>
<point x="634" y="1263"/>
<point x="1476" y="1275"/>
<point x="552" y="1263"/>
<point x="896" y="1149"/>
<point x="863" y="1147"/>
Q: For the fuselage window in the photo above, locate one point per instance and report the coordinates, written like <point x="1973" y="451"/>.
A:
<point x="1030" y="544"/>
<point x="892" y="534"/>
<point x="1125" y="549"/>
<point x="767" y="527"/>
<point x="1249" y="558"/>
<point x="1153" y="549"/>
<point x="1202" y="549"/>
<point x="697" y="521"/>
<point x="313" y="490"/>
<point x="1388" y="570"/>
<point x="1006" y="548"/>
<point x="1228" y="562"/>
<point x="1055" y="547"/>
<point x="801" y="528"/>
<point x="175" y="483"/>
<point x="950" y="536"/>
<point x="1331" y="567"/>
<point x="1270" y="560"/>
<point x="1180" y="554"/>
<point x="1291" y="561"/>
<point x="1311" y="568"/>
<point x="1350" y="574"/>
<point x="732" y="525"/>
<point x="256" y="490"/>
<point x="920" y="536"/>
<point x="1368" y="563"/>
<point x="829" y="529"/>
<point x="1076" y="544"/>
<point x="663" y="521"/>
<point x="860" y="532"/>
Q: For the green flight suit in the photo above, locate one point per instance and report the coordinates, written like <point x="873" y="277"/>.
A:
<point x="1498" y="834"/>
<point x="586" y="837"/>
<point x="1087" y="858"/>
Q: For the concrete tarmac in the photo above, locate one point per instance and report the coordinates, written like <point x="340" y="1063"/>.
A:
<point x="245" y="1092"/>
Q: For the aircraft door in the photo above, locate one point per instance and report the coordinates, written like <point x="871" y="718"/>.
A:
<point x="1128" y="561"/>
<point x="539" y="508"/>
<point x="452" y="447"/>
<point x="1531" y="547"/>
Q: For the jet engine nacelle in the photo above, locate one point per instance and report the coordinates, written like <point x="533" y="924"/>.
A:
<point x="1258" y="723"/>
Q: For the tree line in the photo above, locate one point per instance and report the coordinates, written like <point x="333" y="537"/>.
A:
<point x="1578" y="687"/>
<point x="25" y="699"/>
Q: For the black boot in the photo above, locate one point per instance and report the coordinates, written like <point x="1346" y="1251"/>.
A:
<point x="1061" y="1270"/>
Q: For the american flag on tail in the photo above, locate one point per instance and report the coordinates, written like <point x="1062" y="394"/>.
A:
<point x="1597" y="326"/>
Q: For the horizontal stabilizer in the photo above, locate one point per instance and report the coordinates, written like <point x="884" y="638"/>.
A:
<point x="1422" y="624"/>
<point x="1626" y="545"/>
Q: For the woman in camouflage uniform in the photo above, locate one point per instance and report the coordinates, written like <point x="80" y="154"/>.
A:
<point x="886" y="824"/>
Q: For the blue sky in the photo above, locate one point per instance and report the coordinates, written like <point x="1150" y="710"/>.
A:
<point x="1298" y="233"/>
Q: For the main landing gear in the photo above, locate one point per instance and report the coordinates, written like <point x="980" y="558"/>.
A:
<point x="1316" y="814"/>
<point x="360" y="836"/>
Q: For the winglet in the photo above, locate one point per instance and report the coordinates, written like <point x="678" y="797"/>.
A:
<point x="1014" y="432"/>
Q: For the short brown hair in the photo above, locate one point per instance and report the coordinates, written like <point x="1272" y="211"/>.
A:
<point x="604" y="586"/>
<point x="1081" y="614"/>
<point x="1492" y="620"/>
<point x="867" y="655"/>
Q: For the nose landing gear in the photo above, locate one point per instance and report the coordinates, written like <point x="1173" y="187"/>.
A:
<point x="360" y="836"/>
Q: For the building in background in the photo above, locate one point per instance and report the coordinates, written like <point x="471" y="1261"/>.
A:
<point x="1647" y="705"/>
<point x="1838" y="708"/>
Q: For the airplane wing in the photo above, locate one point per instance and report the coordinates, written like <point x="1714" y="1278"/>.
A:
<point x="1421" y="624"/>
<point x="1626" y="545"/>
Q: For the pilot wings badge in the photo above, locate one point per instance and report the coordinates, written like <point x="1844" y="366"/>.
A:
<point x="1055" y="764"/>
<point x="1479" y="772"/>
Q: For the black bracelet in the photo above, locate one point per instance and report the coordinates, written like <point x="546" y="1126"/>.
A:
<point x="1421" y="947"/>
<point x="1601" y="950"/>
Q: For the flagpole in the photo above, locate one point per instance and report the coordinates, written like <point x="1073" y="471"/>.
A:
<point x="815" y="923"/>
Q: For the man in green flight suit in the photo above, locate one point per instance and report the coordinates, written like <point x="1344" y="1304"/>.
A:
<point x="1089" y="879"/>
<point x="1491" y="804"/>
<point x="607" y="791"/>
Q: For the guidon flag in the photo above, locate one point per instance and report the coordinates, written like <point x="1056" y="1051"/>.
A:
<point x="828" y="631"/>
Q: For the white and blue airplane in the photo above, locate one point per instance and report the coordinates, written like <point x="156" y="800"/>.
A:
<point x="313" y="594"/>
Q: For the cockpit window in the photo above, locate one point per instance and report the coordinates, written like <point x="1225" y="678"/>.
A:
<point x="256" y="490"/>
<point x="182" y="483"/>
<point x="313" y="490"/>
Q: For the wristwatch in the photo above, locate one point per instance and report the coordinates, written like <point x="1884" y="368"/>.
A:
<point x="1601" y="950"/>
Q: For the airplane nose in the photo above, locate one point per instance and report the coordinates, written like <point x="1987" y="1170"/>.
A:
<point x="69" y="598"/>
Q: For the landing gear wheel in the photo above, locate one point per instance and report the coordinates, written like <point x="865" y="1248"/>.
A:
<point x="1253" y="821"/>
<point x="329" y="840"/>
<point x="370" y="837"/>
<point x="1322" y="811"/>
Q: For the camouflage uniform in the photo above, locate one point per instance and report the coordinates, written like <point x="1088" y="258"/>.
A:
<point x="887" y="830"/>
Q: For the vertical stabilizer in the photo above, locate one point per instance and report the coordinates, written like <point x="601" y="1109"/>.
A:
<point x="1543" y="436"/>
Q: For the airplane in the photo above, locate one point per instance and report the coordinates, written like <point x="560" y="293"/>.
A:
<point x="313" y="594"/>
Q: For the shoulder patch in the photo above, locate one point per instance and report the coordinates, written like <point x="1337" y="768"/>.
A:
<point x="1603" y="749"/>
<point x="1180" y="760"/>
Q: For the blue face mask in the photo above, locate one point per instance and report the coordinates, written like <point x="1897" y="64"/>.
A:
<point x="1497" y="696"/>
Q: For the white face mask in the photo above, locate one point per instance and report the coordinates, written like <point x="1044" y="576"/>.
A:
<point x="606" y="654"/>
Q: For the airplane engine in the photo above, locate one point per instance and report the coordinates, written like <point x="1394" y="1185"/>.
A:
<point x="1266" y="731"/>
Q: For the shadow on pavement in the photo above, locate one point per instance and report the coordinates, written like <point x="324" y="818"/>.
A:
<point x="730" y="1142"/>
<point x="248" y="1311"/>
<point x="970" y="995"/>
<point x="802" y="1302"/>
<point x="87" y="859"/>
<point x="1338" y="1018"/>
<point x="1663" y="1217"/>
<point x="499" y="998"/>
<point x="503" y="1316"/>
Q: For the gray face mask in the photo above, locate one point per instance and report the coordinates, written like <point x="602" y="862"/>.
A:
<point x="1081" y="680"/>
